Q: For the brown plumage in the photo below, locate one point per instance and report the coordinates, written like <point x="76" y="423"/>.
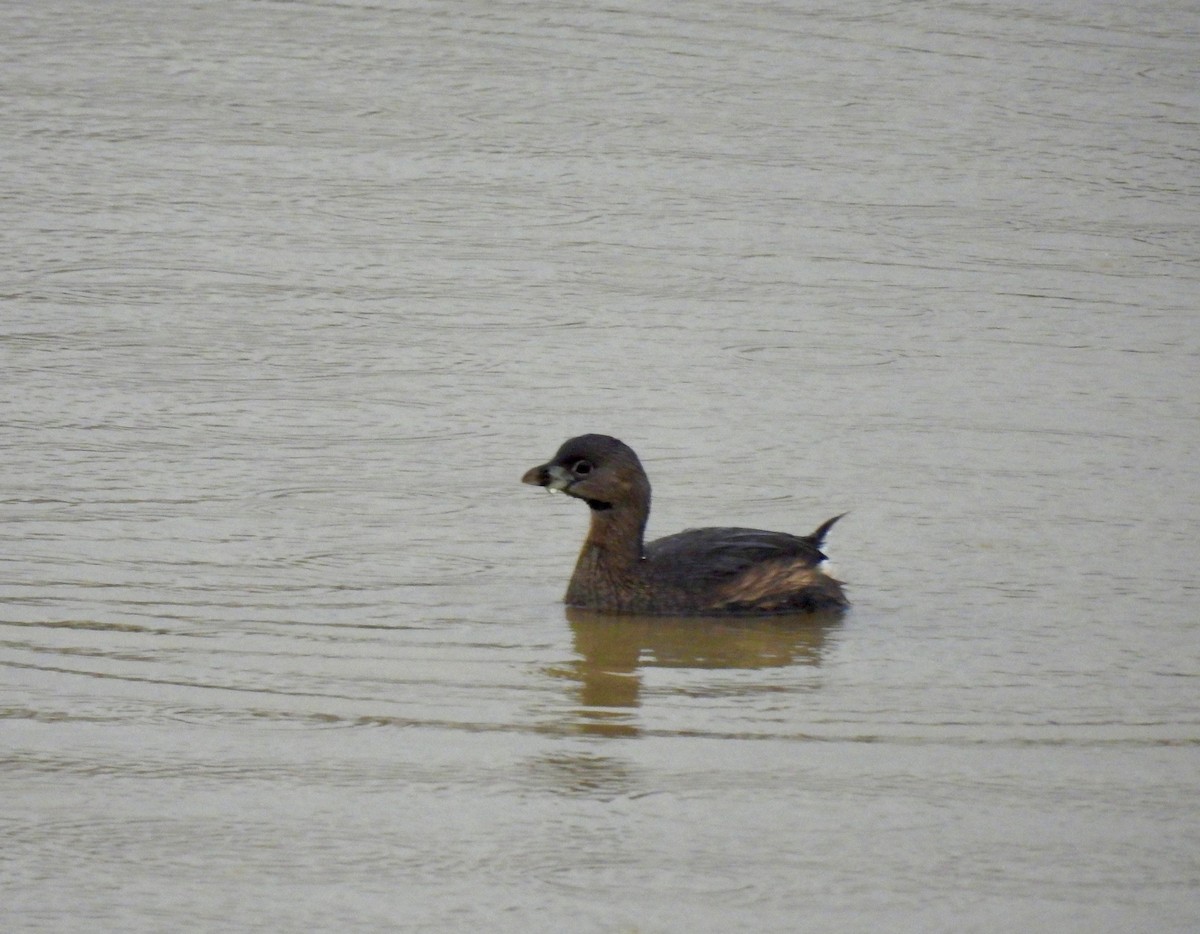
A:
<point x="697" y="572"/>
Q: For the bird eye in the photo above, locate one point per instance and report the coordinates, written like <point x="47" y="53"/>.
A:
<point x="581" y="468"/>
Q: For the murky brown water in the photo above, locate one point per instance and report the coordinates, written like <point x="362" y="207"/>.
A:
<point x="294" y="292"/>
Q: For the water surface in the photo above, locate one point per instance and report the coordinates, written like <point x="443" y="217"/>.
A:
<point x="296" y="292"/>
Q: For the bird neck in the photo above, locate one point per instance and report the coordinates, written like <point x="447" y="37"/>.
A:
<point x="608" y="569"/>
<point x="616" y="535"/>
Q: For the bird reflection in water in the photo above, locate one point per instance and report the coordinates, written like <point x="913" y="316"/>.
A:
<point x="612" y="651"/>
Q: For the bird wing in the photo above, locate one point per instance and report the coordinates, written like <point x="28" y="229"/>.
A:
<point x="716" y="554"/>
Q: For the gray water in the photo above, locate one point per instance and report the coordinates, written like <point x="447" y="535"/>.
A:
<point x="294" y="292"/>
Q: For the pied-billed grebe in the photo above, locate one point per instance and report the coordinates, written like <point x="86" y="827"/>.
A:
<point x="696" y="572"/>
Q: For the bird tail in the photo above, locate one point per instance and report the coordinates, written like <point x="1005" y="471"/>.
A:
<point x="818" y="537"/>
